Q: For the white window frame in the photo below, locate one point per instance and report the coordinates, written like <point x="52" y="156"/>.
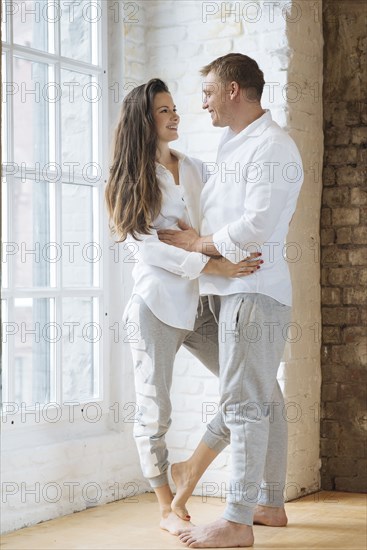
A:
<point x="18" y="425"/>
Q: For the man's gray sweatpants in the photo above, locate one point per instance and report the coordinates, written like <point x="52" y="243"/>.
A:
<point x="252" y="334"/>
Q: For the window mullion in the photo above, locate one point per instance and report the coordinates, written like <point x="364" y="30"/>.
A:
<point x="6" y="395"/>
<point x="51" y="31"/>
<point x="103" y="153"/>
<point x="9" y="183"/>
<point x="10" y="25"/>
<point x="52" y="292"/>
<point x="58" y="217"/>
<point x="10" y="378"/>
<point x="39" y="56"/>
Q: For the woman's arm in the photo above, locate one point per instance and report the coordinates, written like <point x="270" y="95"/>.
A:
<point x="154" y="252"/>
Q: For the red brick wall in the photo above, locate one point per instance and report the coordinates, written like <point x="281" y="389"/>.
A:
<point x="344" y="250"/>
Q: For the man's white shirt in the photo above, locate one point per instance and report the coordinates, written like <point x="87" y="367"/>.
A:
<point x="247" y="204"/>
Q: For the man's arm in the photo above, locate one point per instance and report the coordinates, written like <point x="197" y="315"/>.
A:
<point x="266" y="198"/>
<point x="190" y="265"/>
<point x="187" y="264"/>
<point x="188" y="239"/>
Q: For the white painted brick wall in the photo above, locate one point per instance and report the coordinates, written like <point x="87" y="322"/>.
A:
<point x="38" y="486"/>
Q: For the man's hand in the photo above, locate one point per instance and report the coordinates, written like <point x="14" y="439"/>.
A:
<point x="189" y="240"/>
<point x="186" y="239"/>
<point x="225" y="268"/>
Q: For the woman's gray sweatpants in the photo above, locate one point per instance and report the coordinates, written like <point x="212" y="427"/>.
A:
<point x="154" y="346"/>
<point x="252" y="334"/>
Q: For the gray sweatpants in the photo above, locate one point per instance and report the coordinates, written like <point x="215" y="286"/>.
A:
<point x="258" y="437"/>
<point x="154" y="347"/>
<point x="252" y="332"/>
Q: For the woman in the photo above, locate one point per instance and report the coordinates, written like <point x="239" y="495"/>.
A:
<point x="152" y="187"/>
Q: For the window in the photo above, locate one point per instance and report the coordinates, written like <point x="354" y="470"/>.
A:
<point x="53" y="171"/>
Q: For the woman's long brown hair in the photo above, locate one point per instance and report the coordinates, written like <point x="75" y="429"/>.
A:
<point x="132" y="194"/>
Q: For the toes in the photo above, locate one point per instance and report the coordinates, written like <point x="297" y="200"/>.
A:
<point x="185" y="536"/>
<point x="188" y="541"/>
<point x="181" y="512"/>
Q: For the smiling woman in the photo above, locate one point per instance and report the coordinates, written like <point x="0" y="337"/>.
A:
<point x="166" y="121"/>
<point x="152" y="187"/>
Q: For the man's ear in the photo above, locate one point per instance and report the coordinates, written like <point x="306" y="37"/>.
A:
<point x="234" y="90"/>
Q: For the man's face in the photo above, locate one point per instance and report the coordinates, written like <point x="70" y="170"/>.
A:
<point x="216" y="100"/>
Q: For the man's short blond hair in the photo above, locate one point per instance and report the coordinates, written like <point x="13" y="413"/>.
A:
<point x="239" y="68"/>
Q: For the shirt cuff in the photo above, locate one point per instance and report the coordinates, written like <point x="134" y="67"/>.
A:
<point x="193" y="265"/>
<point x="227" y="248"/>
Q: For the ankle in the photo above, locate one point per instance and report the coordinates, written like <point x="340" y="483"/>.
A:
<point x="191" y="469"/>
<point x="239" y="526"/>
<point x="165" y="511"/>
<point x="182" y="464"/>
<point x="185" y="468"/>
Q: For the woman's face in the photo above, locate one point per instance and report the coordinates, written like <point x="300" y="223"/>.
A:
<point x="165" y="117"/>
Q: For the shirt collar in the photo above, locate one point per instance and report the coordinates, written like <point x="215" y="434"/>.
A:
<point x="257" y="127"/>
<point x="254" y="129"/>
<point x="177" y="154"/>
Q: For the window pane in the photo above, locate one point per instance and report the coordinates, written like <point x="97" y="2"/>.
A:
<point x="78" y="28"/>
<point x="4" y="121"/>
<point x="5" y="10"/>
<point x="80" y="349"/>
<point x="76" y="120"/>
<point x="30" y="23"/>
<point x="8" y="247"/>
<point x="33" y="254"/>
<point x="34" y="350"/>
<point x="30" y="113"/>
<point x="82" y="253"/>
<point x="6" y="330"/>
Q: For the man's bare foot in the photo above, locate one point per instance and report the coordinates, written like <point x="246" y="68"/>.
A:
<point x="185" y="482"/>
<point x="271" y="516"/>
<point x="175" y="525"/>
<point x="219" y="534"/>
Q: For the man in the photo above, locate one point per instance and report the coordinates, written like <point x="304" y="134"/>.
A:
<point x="247" y="205"/>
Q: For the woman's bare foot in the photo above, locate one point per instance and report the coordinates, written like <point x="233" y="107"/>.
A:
<point x="271" y="516"/>
<point x="173" y="524"/>
<point x="219" y="534"/>
<point x="185" y="482"/>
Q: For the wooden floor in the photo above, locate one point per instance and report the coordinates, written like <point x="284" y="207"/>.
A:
<point x="336" y="521"/>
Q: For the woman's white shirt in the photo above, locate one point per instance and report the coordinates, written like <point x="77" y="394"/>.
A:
<point x="166" y="277"/>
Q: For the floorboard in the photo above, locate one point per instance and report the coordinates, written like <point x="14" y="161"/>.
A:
<point x="325" y="520"/>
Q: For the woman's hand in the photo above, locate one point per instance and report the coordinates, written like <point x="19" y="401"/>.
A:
<point x="225" y="268"/>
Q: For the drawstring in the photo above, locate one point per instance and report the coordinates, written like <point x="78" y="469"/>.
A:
<point x="212" y="306"/>
<point x="201" y="308"/>
<point x="211" y="302"/>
